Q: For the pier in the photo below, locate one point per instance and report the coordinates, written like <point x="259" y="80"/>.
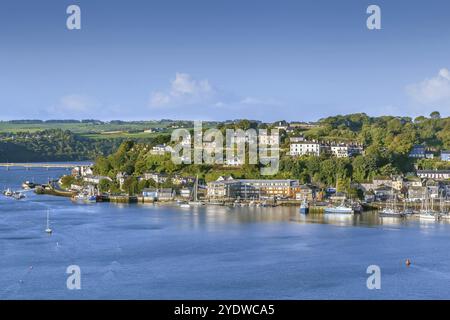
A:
<point x="41" y="165"/>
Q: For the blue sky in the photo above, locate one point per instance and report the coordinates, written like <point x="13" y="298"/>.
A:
<point x="223" y="59"/>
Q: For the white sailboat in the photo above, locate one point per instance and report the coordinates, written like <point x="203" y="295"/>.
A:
<point x="391" y="211"/>
<point x="195" y="201"/>
<point x="426" y="213"/>
<point x="48" y="229"/>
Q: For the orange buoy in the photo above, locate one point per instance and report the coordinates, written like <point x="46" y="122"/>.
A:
<point x="408" y="262"/>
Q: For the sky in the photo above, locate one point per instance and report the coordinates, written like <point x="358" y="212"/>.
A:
<point x="223" y="59"/>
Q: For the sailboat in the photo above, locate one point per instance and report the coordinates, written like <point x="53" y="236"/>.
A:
<point x="426" y="213"/>
<point x="195" y="201"/>
<point x="48" y="229"/>
<point x="340" y="209"/>
<point x="445" y="215"/>
<point x="392" y="211"/>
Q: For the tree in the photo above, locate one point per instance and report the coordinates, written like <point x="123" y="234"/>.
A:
<point x="104" y="185"/>
<point x="435" y="115"/>
<point x="67" y="181"/>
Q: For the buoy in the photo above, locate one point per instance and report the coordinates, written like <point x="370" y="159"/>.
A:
<point x="408" y="262"/>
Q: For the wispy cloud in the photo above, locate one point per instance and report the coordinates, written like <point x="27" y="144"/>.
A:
<point x="184" y="90"/>
<point x="203" y="100"/>
<point x="435" y="90"/>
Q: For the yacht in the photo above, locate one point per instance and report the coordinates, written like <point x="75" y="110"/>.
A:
<point x="392" y="210"/>
<point x="341" y="209"/>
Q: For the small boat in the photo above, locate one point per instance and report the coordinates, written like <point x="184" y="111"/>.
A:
<point x="357" y="207"/>
<point x="304" y="207"/>
<point x="48" y="229"/>
<point x="185" y="205"/>
<point x="428" y="215"/>
<point x="18" y="195"/>
<point x="8" y="192"/>
<point x="391" y="213"/>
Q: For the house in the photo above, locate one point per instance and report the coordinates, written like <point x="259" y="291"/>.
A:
<point x="234" y="162"/>
<point x="434" y="174"/>
<point x="266" y="139"/>
<point x="82" y="171"/>
<point x="121" y="177"/>
<point x="307" y="192"/>
<point x="305" y="148"/>
<point x="180" y="180"/>
<point x="185" y="193"/>
<point x="161" y="149"/>
<point x="382" y="193"/>
<point x="398" y="183"/>
<point x="418" y="151"/>
<point x="445" y="155"/>
<point x="155" y="176"/>
<point x="95" y="179"/>
<point x="416" y="193"/>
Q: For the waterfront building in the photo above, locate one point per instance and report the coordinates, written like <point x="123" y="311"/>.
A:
<point x="185" y="193"/>
<point x="152" y="194"/>
<point x="306" y="192"/>
<point x="383" y="193"/>
<point x="252" y="189"/>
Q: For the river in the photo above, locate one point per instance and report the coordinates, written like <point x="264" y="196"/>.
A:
<point x="166" y="252"/>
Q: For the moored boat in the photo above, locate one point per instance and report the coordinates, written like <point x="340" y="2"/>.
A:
<point x="304" y="207"/>
<point x="341" y="209"/>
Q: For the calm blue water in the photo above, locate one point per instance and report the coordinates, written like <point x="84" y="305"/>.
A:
<point x="165" y="252"/>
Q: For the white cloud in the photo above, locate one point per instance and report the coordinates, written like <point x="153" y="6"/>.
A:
<point x="184" y="90"/>
<point x="435" y="90"/>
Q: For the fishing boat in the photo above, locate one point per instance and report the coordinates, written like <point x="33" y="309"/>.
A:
<point x="304" y="207"/>
<point x="48" y="229"/>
